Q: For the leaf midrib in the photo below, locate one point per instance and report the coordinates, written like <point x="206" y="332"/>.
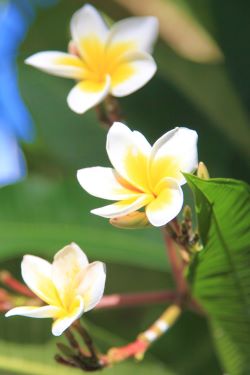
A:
<point x="224" y="245"/>
<point x="236" y="277"/>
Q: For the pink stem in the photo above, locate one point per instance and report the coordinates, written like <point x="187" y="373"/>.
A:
<point x="135" y="348"/>
<point x="8" y="280"/>
<point x="136" y="299"/>
<point x="177" y="264"/>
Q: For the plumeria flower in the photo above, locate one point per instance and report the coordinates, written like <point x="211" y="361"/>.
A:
<point x="143" y="175"/>
<point x="103" y="61"/>
<point x="70" y="286"/>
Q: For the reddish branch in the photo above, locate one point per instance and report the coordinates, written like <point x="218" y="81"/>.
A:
<point x="136" y="299"/>
<point x="134" y="349"/>
<point x="177" y="264"/>
<point x="8" y="280"/>
<point x="5" y="301"/>
<point x="146" y="338"/>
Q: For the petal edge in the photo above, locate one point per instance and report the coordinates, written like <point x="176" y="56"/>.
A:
<point x="87" y="94"/>
<point x="167" y="204"/>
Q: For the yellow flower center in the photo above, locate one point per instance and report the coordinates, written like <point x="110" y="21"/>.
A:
<point x="101" y="60"/>
<point x="146" y="175"/>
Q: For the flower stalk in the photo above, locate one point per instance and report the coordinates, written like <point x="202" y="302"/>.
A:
<point x="112" y="301"/>
<point x="74" y="355"/>
<point x="177" y="265"/>
<point x="5" y="300"/>
<point x="109" y="112"/>
<point x="8" y="280"/>
<point x="87" y="339"/>
<point x="136" y="299"/>
<point x="181" y="243"/>
<point x="145" y="339"/>
<point x="178" y="239"/>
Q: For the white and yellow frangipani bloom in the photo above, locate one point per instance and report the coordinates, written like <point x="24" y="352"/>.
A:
<point x="103" y="61"/>
<point x="70" y="286"/>
<point x="143" y="175"/>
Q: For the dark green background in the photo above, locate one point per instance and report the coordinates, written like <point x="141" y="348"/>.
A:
<point x="49" y="209"/>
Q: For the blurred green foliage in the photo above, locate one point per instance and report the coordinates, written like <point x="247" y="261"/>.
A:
<point x="49" y="209"/>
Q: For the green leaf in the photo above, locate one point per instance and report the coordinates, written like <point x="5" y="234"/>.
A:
<point x="220" y="273"/>
<point x="210" y="89"/>
<point x="37" y="359"/>
<point x="41" y="217"/>
<point x="179" y="28"/>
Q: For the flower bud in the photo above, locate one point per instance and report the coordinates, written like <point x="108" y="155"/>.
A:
<point x="202" y="171"/>
<point x="134" y="220"/>
<point x="72" y="48"/>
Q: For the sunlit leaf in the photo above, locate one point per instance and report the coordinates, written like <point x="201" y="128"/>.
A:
<point x="220" y="273"/>
<point x="38" y="359"/>
<point x="41" y="217"/>
<point x="178" y="29"/>
<point x="212" y="92"/>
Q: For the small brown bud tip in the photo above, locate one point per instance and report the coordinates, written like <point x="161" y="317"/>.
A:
<point x="71" y="339"/>
<point x="202" y="171"/>
<point x="5" y="306"/>
<point x="63" y="361"/>
<point x="140" y="356"/>
<point x="134" y="220"/>
<point x="187" y="213"/>
<point x="72" y="49"/>
<point x="185" y="256"/>
<point x="4" y="275"/>
<point x="3" y="295"/>
<point x="64" y="349"/>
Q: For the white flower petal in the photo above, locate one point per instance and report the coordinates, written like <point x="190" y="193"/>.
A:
<point x="162" y="141"/>
<point x="87" y="94"/>
<point x="142" y="141"/>
<point x="61" y="324"/>
<point x="58" y="63"/>
<point x="35" y="312"/>
<point x="129" y="154"/>
<point x="167" y="204"/>
<point x="92" y="287"/>
<point x="173" y="153"/>
<point x="132" y="74"/>
<point x="68" y="267"/>
<point x="37" y="274"/>
<point x="123" y="207"/>
<point x="87" y="23"/>
<point x="141" y="32"/>
<point x="103" y="183"/>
